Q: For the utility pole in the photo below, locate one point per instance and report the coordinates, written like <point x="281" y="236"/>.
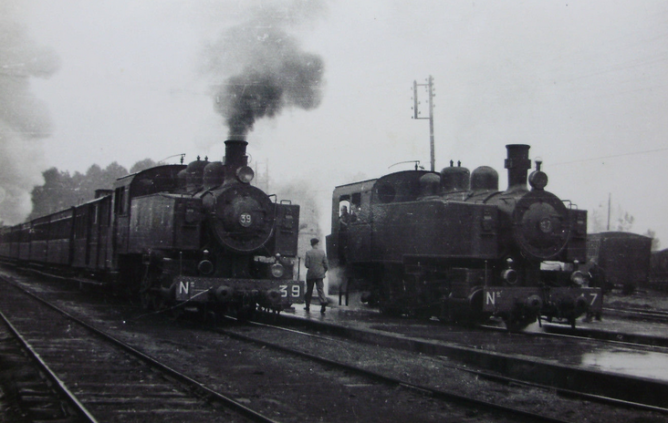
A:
<point x="416" y="113"/>
<point x="609" y="200"/>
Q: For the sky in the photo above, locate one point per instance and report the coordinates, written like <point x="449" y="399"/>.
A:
<point x="584" y="83"/>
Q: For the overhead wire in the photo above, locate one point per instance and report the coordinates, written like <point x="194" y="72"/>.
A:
<point x="632" y="153"/>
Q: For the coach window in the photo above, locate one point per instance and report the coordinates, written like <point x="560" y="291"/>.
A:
<point x="80" y="225"/>
<point x="119" y="201"/>
<point x="105" y="218"/>
<point x="344" y="202"/>
<point x="355" y="205"/>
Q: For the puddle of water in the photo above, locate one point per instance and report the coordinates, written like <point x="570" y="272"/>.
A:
<point x="636" y="363"/>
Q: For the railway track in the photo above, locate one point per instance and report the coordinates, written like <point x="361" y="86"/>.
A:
<point x="638" y="314"/>
<point x="105" y="379"/>
<point x="334" y="351"/>
<point x="29" y="389"/>
<point x="488" y="353"/>
<point x="622" y="338"/>
<point x="334" y="347"/>
<point x="415" y="373"/>
<point x="345" y="382"/>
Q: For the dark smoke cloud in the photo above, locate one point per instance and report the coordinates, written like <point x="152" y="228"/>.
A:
<point x="265" y="71"/>
<point x="23" y="118"/>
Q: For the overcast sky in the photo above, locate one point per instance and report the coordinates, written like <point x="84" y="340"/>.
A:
<point x="584" y="83"/>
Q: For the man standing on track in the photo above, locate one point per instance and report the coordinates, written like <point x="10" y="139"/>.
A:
<point x="316" y="263"/>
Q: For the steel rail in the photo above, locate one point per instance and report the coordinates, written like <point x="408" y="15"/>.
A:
<point x="564" y="376"/>
<point x="597" y="335"/>
<point x="508" y="380"/>
<point x="60" y="385"/>
<point x="436" y="393"/>
<point x="655" y="315"/>
<point x="198" y="386"/>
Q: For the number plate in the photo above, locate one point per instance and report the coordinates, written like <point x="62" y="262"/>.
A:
<point x="292" y="291"/>
<point x="245" y="220"/>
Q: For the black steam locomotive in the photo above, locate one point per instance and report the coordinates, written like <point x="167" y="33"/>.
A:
<point x="199" y="234"/>
<point x="452" y="245"/>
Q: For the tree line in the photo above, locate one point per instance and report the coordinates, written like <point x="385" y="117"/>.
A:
<point x="62" y="189"/>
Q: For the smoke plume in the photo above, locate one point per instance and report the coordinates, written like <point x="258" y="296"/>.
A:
<point x="23" y="118"/>
<point x="265" y="71"/>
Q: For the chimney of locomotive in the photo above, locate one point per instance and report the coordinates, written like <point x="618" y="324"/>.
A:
<point x="235" y="152"/>
<point x="517" y="163"/>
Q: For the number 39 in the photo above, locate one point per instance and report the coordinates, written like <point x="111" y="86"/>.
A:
<point x="245" y="220"/>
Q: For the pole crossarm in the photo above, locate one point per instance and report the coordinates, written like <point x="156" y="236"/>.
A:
<point x="416" y="113"/>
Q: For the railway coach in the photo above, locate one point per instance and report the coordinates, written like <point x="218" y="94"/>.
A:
<point x="620" y="260"/>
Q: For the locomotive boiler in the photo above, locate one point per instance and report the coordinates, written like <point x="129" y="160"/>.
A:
<point x="452" y="245"/>
<point x="198" y="235"/>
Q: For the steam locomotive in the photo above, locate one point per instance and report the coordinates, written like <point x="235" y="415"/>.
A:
<point x="199" y="234"/>
<point x="452" y="245"/>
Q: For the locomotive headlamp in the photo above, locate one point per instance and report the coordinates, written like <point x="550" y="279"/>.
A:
<point x="245" y="174"/>
<point x="538" y="178"/>
<point x="205" y="267"/>
<point x="578" y="278"/>
<point x="510" y="276"/>
<point x="277" y="270"/>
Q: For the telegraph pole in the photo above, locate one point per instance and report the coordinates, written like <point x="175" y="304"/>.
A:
<point x="416" y="113"/>
<point x="609" y="201"/>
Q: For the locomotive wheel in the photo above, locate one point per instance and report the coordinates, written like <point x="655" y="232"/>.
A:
<point x="516" y="323"/>
<point x="245" y="312"/>
<point x="208" y="315"/>
<point x="147" y="295"/>
<point x="422" y="313"/>
<point x="157" y="302"/>
<point x="146" y="300"/>
<point x="391" y="310"/>
<point x="177" y="311"/>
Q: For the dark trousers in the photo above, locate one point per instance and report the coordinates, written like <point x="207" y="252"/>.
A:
<point x="309" y="291"/>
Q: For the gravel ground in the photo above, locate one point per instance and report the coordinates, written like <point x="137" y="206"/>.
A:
<point x="9" y="409"/>
<point x="440" y="373"/>
<point x="647" y="299"/>
<point x="17" y="370"/>
<point x="295" y="389"/>
<point x="287" y="388"/>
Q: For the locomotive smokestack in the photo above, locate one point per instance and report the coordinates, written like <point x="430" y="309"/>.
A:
<point x="517" y="163"/>
<point x="235" y="152"/>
